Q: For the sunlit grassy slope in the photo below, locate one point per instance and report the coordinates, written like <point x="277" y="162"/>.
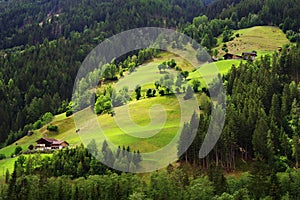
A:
<point x="263" y="39"/>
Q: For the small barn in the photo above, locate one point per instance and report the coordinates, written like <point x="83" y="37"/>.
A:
<point x="229" y="56"/>
<point x="249" y="55"/>
<point x="50" y="143"/>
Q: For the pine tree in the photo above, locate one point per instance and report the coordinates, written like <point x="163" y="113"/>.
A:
<point x="216" y="176"/>
<point x="274" y="187"/>
<point x="189" y="93"/>
<point x="7" y="176"/>
<point x="184" y="142"/>
<point x="259" y="139"/>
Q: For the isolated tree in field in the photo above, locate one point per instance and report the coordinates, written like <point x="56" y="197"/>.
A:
<point x="189" y="93"/>
<point x="18" y="149"/>
<point x="138" y="92"/>
<point x="196" y="85"/>
<point x="162" y="92"/>
<point x="171" y="63"/>
<point x="149" y="93"/>
<point x="162" y="67"/>
<point x="157" y="84"/>
<point x="185" y="74"/>
<point x="31" y="147"/>
<point x="153" y="92"/>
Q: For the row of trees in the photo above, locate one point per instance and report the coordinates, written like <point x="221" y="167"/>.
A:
<point x="173" y="183"/>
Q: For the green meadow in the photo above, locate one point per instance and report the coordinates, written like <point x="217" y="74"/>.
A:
<point x="263" y="39"/>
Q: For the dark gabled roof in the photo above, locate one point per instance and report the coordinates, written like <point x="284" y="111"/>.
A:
<point x="50" y="140"/>
<point x="228" y="54"/>
<point x="53" y="141"/>
<point x="249" y="53"/>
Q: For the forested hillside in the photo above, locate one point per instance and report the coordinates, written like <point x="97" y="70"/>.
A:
<point x="30" y="22"/>
<point x="56" y="36"/>
<point x="43" y="44"/>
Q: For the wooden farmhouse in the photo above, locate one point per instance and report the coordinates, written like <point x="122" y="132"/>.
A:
<point x="245" y="56"/>
<point x="249" y="55"/>
<point x="50" y="143"/>
<point x="229" y="56"/>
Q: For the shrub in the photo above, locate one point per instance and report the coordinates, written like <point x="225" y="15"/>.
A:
<point x="69" y="113"/>
<point x="149" y="93"/>
<point x="2" y="156"/>
<point x="161" y="92"/>
<point x="30" y="147"/>
<point x="47" y="117"/>
<point x="52" y="128"/>
<point x="18" y="149"/>
<point x="38" y="124"/>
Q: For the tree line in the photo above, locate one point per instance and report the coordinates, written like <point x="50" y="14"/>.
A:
<point x="86" y="178"/>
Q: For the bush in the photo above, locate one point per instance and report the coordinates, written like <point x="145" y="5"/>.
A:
<point x="162" y="92"/>
<point x="30" y="147"/>
<point x="38" y="124"/>
<point x="184" y="74"/>
<point x="149" y="93"/>
<point x="69" y="113"/>
<point x="52" y="128"/>
<point x="2" y="156"/>
<point x="177" y="68"/>
<point x="18" y="149"/>
<point x="47" y="117"/>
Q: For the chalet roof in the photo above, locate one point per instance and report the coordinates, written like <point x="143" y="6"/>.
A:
<point x="50" y="140"/>
<point x="58" y="142"/>
<point x="228" y="54"/>
<point x="249" y="53"/>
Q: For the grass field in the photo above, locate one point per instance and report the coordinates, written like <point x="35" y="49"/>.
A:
<point x="263" y="39"/>
<point x="211" y="70"/>
<point x="145" y="74"/>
